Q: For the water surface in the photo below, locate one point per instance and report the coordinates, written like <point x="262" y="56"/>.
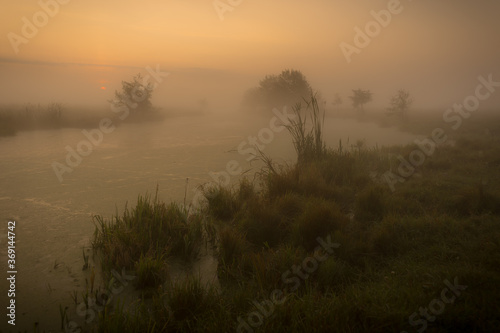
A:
<point x="54" y="218"/>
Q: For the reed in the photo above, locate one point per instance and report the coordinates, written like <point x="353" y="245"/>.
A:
<point x="144" y="236"/>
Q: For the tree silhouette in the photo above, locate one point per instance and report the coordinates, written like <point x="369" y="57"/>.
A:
<point x="287" y="88"/>
<point x="400" y="103"/>
<point x="135" y="94"/>
<point x="360" y="98"/>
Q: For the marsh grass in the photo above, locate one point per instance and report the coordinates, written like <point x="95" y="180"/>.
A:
<point x="190" y="298"/>
<point x="32" y="117"/>
<point x="144" y="236"/>
<point x="56" y="115"/>
<point x="150" y="272"/>
<point x="222" y="203"/>
<point x="396" y="249"/>
<point x="85" y="260"/>
<point x="308" y="143"/>
<point x="370" y="204"/>
<point x="319" y="217"/>
<point x="475" y="200"/>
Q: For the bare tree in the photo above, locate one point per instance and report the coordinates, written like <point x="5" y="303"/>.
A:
<point x="400" y="103"/>
<point x="360" y="98"/>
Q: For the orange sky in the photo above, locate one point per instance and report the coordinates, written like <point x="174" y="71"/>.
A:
<point x="435" y="48"/>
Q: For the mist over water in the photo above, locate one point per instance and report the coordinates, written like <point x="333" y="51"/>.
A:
<point x="217" y="90"/>
<point x="132" y="160"/>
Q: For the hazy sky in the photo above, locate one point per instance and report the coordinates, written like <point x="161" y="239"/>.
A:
<point x="436" y="49"/>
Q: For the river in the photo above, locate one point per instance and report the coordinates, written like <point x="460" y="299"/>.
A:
<point x="53" y="218"/>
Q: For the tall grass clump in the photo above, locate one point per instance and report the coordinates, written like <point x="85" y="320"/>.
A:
<point x="222" y="203"/>
<point x="309" y="144"/>
<point x="332" y="174"/>
<point x="262" y="223"/>
<point x="232" y="246"/>
<point x="189" y="299"/>
<point x="142" y="236"/>
<point x="150" y="272"/>
<point x="318" y="219"/>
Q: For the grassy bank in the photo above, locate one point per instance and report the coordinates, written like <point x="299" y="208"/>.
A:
<point x="32" y="117"/>
<point x="14" y="119"/>
<point x="322" y="245"/>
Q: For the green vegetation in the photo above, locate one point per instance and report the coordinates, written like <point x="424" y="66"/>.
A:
<point x="143" y="237"/>
<point x="396" y="249"/>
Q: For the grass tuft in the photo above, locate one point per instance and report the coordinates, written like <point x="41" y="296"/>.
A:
<point x="142" y="236"/>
